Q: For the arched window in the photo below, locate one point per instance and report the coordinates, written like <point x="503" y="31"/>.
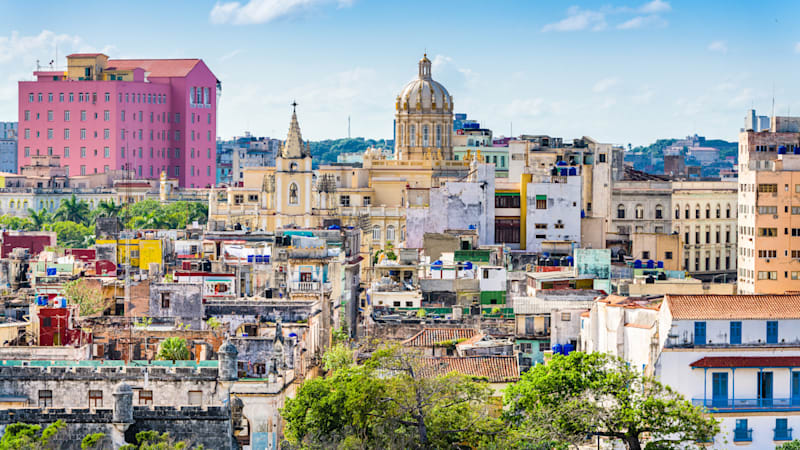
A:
<point x="728" y="212"/>
<point x="376" y="233"/>
<point x="677" y="211"/>
<point x="11" y="204"/>
<point x="621" y="212"/>
<point x="697" y="211"/>
<point x="719" y="215"/>
<point x="425" y="136"/>
<point x="708" y="211"/>
<point x="659" y="212"/>
<point x="686" y="212"/>
<point x="390" y="233"/>
<point x="439" y="136"/>
<point x="412" y="131"/>
<point x="294" y="198"/>
<point x="639" y="212"/>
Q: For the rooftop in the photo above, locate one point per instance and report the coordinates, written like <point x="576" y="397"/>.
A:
<point x="497" y="369"/>
<point x="107" y="363"/>
<point x="156" y="67"/>
<point x="747" y="361"/>
<point x="725" y="307"/>
<point x="430" y="336"/>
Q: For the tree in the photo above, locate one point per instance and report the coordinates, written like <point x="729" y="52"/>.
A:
<point x="73" y="210"/>
<point x="72" y="235"/>
<point x="388" y="403"/>
<point x="15" y="223"/>
<point x="173" y="349"/>
<point x="574" y="396"/>
<point x="21" y="436"/>
<point x="39" y="219"/>
<point x="107" y="208"/>
<point x="337" y="357"/>
<point x="152" y="440"/>
<point x="791" y="445"/>
<point x="89" y="299"/>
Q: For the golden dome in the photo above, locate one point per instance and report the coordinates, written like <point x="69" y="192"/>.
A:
<point x="423" y="94"/>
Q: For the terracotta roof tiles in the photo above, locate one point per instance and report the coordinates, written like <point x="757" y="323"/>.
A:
<point x="430" y="336"/>
<point x="725" y="307"/>
<point x="497" y="369"/>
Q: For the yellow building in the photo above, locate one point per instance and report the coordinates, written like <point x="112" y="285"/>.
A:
<point x="140" y="252"/>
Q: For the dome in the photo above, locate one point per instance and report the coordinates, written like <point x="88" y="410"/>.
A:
<point x="423" y="93"/>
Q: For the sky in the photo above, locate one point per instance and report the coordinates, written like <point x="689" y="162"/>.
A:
<point x="619" y="71"/>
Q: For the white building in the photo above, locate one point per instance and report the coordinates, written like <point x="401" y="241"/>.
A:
<point x="739" y="356"/>
<point x="554" y="209"/>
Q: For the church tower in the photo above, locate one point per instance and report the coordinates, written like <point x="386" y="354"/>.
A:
<point x="293" y="179"/>
<point x="424" y="118"/>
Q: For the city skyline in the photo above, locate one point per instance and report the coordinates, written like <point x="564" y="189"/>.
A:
<point x="622" y="72"/>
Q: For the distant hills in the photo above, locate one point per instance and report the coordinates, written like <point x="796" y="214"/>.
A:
<point x="656" y="149"/>
<point x="325" y="152"/>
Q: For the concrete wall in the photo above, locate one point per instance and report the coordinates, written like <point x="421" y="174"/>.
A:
<point x="563" y="210"/>
<point x="753" y="331"/>
<point x="185" y="302"/>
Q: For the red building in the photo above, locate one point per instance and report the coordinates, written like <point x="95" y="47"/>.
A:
<point x="55" y="328"/>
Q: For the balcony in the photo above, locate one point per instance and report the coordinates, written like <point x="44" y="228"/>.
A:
<point x="310" y="286"/>
<point x="748" y="404"/>
<point x="742" y="435"/>
<point x="782" y="434"/>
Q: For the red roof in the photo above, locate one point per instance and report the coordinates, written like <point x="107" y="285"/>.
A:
<point x="430" y="336"/>
<point x="156" y="67"/>
<point x="747" y="361"/>
<point x="497" y="369"/>
<point x="726" y="307"/>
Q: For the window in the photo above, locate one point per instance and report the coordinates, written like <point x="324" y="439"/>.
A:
<point x="645" y="255"/>
<point x="699" y="333"/>
<point x="541" y="202"/>
<point x="83" y="152"/>
<point x="782" y="430"/>
<point x="366" y="200"/>
<point x="145" y="397"/>
<point x="376" y="233"/>
<point x="390" y="235"/>
<point x="768" y="210"/>
<point x="344" y="200"/>
<point x="659" y="212"/>
<point x="602" y="157"/>
<point x="66" y="152"/>
<point x="767" y="188"/>
<point x="106" y="134"/>
<point x="45" y="398"/>
<point x="108" y="96"/>
<point x="620" y="212"/>
<point x="736" y="333"/>
<point x="49" y="133"/>
<point x="50" y="116"/>
<point x="667" y="255"/>
<point x="83" y="134"/>
<point x="566" y="317"/>
<point x="196" y="398"/>
<point x="66" y="134"/>
<point x="741" y="433"/>
<point x="767" y="275"/>
<point x="639" y="212"/>
<point x="238" y="199"/>
<point x="83" y="170"/>
<point x="294" y="198"/>
<point x="697" y="212"/>
<point x="95" y="399"/>
<point x="507" y="230"/>
<point x="83" y="116"/>
<point x="506" y="201"/>
<point x="767" y="232"/>
<point x="772" y="332"/>
<point x="686" y="212"/>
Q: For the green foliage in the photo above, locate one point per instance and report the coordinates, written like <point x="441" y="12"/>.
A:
<point x="421" y="313"/>
<point x="384" y="403"/>
<point x="92" y="441"/>
<point x="173" y="349"/>
<point x="791" y="445"/>
<point x="107" y="208"/>
<point x="143" y="322"/>
<point x="152" y="214"/>
<point x="15" y="223"/>
<point x="152" y="440"/>
<point x="325" y="152"/>
<point x="337" y="357"/>
<point x="73" y="210"/>
<point x="577" y="395"/>
<point x="340" y="336"/>
<point x="89" y="299"/>
<point x="72" y="235"/>
<point x="213" y="323"/>
<point x="39" y="220"/>
<point x="21" y="436"/>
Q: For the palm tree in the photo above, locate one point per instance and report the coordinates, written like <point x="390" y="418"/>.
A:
<point x="39" y="219"/>
<point x="173" y="349"/>
<point x="73" y="210"/>
<point x="107" y="208"/>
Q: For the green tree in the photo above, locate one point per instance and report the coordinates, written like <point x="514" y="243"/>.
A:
<point x="72" y="235"/>
<point x="108" y="208"/>
<point x="39" y="220"/>
<point x="152" y="440"/>
<point x="337" y="357"/>
<point x="791" y="445"/>
<point x="22" y="436"/>
<point x="213" y="323"/>
<point x="15" y="223"/>
<point x="173" y="349"/>
<point x="73" y="210"/>
<point x="93" y="441"/>
<point x="89" y="299"/>
<point x="387" y="403"/>
<point x="574" y="396"/>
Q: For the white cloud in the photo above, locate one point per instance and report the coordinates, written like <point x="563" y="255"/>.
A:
<point x="718" y="46"/>
<point x="651" y="21"/>
<point x="605" y="84"/>
<point x="655" y="6"/>
<point x="230" y="55"/>
<point x="579" y="19"/>
<point x="263" y="11"/>
<point x="526" y="107"/>
<point x="16" y="46"/>
<point x="797" y="47"/>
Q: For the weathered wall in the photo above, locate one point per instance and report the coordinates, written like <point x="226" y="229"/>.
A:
<point x="185" y="302"/>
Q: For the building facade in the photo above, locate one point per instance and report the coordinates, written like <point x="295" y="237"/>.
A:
<point x="146" y="115"/>
<point x="8" y="147"/>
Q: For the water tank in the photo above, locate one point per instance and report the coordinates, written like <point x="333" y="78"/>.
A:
<point x="568" y="348"/>
<point x="782" y="150"/>
<point x="468" y="265"/>
<point x="563" y="172"/>
<point x="583" y="214"/>
<point x="660" y="264"/>
<point x="561" y="163"/>
<point x="555" y="262"/>
<point x="797" y="150"/>
<point x="651" y="264"/>
<point x="569" y="260"/>
<point x="650" y="280"/>
<point x="637" y="264"/>
<point x="557" y="349"/>
<point x="573" y="171"/>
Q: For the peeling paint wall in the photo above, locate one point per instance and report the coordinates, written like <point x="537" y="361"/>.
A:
<point x="563" y="207"/>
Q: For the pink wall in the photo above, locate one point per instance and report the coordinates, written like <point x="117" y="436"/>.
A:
<point x="149" y="146"/>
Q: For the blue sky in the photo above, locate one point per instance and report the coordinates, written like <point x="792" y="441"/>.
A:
<point x="621" y="71"/>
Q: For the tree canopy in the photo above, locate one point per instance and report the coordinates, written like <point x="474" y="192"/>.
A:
<point x="173" y="349"/>
<point x="386" y="403"/>
<point x="325" y="152"/>
<point x="575" y="396"/>
<point x="22" y="436"/>
<point x="89" y="299"/>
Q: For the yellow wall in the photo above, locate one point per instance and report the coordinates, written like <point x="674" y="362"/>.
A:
<point x="149" y="251"/>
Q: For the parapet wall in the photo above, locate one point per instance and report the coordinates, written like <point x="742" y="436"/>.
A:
<point x="107" y="374"/>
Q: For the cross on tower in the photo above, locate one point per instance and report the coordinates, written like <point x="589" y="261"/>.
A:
<point x="294" y="106"/>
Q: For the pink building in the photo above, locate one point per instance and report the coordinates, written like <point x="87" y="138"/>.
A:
<point x="147" y="115"/>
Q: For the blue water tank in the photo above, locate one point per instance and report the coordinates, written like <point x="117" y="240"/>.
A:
<point x="437" y="265"/>
<point x="472" y="227"/>
<point x="637" y="264"/>
<point x="250" y="258"/>
<point x="557" y="349"/>
<point x="782" y="150"/>
<point x="568" y="348"/>
<point x="556" y="263"/>
<point x="660" y="264"/>
<point x="561" y="163"/>
<point x="569" y="260"/>
<point x="797" y="150"/>
<point x="583" y="214"/>
<point x="563" y="172"/>
<point x="468" y="265"/>
<point x="651" y="264"/>
<point x="546" y="254"/>
<point x="334" y="227"/>
<point x="573" y="171"/>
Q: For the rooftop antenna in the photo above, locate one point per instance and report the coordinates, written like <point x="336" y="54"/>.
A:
<point x="348" y="127"/>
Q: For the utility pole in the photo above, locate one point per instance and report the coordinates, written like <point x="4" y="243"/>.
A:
<point x="348" y="127"/>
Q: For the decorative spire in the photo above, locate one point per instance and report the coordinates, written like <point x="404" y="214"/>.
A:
<point x="425" y="68"/>
<point x="293" y="147"/>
